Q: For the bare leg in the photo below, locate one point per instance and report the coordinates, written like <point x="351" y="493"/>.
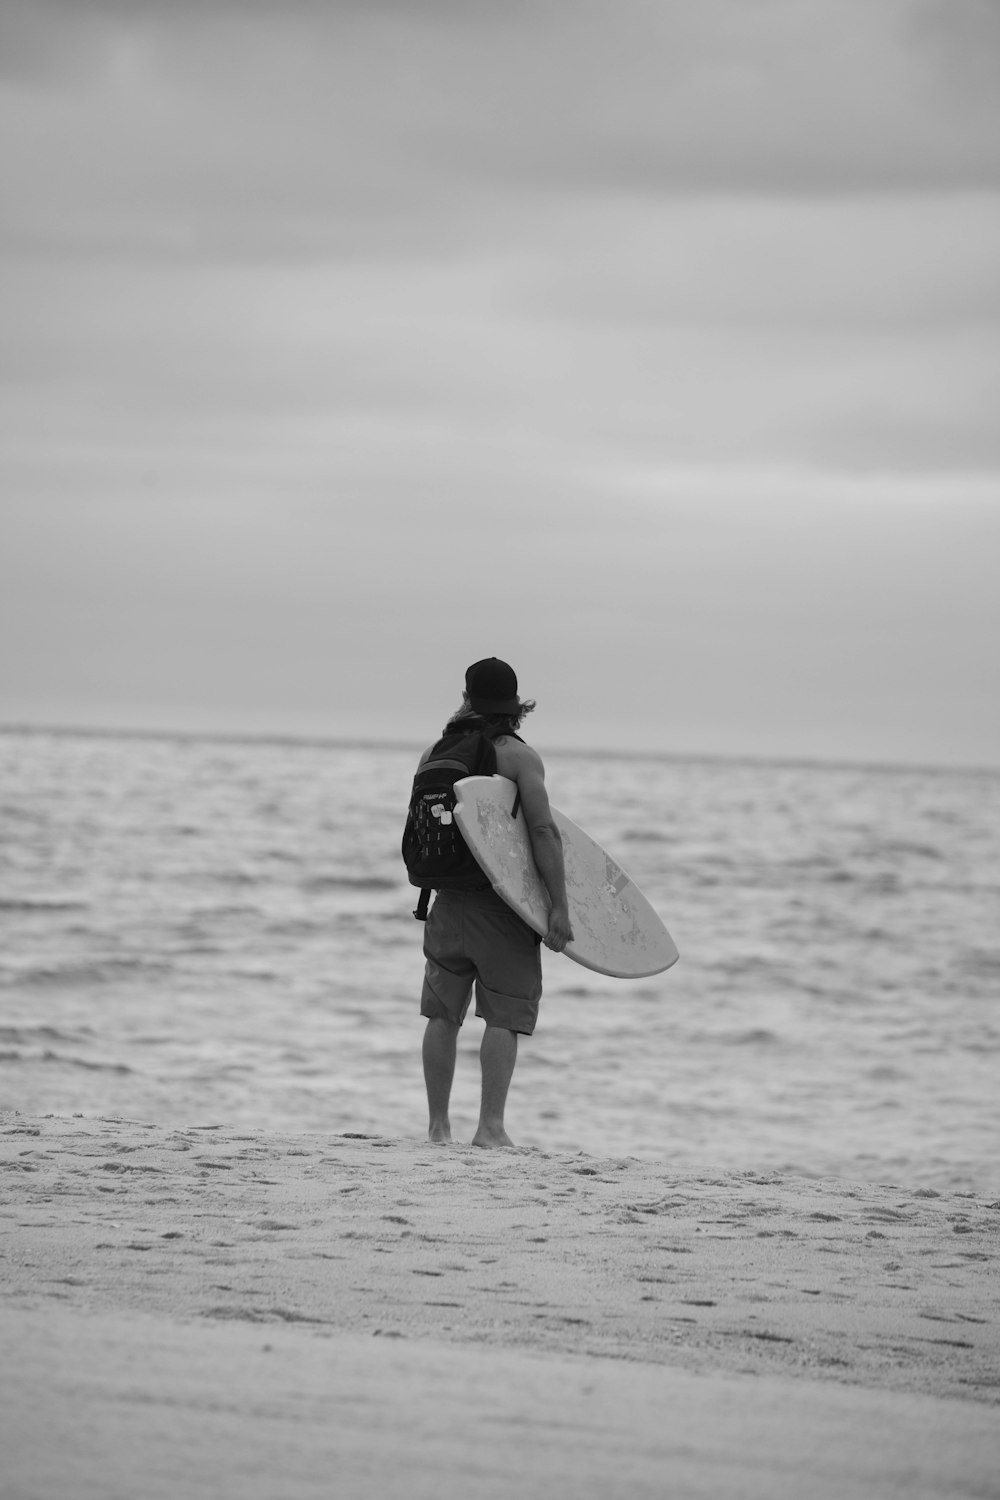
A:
<point x="497" y="1055"/>
<point x="440" y="1047"/>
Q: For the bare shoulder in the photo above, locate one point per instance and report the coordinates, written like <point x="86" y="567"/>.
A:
<point x="515" y="759"/>
<point x="520" y="763"/>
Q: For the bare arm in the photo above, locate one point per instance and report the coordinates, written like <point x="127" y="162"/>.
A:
<point x="522" y="764"/>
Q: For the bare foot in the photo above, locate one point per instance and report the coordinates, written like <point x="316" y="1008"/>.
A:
<point x="440" y="1133"/>
<point x="492" y="1138"/>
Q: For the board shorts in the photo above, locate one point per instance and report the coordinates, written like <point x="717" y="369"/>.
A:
<point x="474" y="940"/>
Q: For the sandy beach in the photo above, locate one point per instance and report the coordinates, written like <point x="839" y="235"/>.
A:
<point x="212" y="1312"/>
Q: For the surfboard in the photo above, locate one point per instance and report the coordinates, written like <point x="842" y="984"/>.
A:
<point x="615" y="930"/>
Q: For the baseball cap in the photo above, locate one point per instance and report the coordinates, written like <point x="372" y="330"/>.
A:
<point x="492" y="687"/>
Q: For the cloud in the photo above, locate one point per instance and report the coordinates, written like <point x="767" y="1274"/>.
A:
<point x="844" y="336"/>
<point x="726" y="612"/>
<point x="779" y="96"/>
<point x="643" y="331"/>
<point x="812" y="262"/>
<point x="345" y="129"/>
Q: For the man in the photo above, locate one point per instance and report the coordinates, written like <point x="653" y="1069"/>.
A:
<point x="474" y="939"/>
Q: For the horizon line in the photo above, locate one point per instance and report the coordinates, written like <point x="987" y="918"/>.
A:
<point x="378" y="742"/>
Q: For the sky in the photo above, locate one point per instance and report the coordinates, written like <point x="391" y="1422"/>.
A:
<point x="651" y="345"/>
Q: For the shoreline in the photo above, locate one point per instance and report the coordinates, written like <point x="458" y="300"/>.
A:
<point x="832" y="1294"/>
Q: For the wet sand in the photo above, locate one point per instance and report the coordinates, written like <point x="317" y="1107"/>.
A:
<point x="210" y="1312"/>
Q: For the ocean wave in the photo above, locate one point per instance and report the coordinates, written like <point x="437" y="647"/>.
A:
<point x="231" y="909"/>
<point x="43" y="904"/>
<point x="981" y="961"/>
<point x="756" y="1036"/>
<point x="316" y="884"/>
<point x="49" y="1058"/>
<point x="296" y="927"/>
<point x="36" y="815"/>
<point x="904" y="848"/>
<point x="88" y="1064"/>
<point x="884" y="882"/>
<point x="97" y="971"/>
<point x="24" y="1036"/>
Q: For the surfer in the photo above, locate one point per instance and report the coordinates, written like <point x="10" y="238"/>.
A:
<point x="474" y="939"/>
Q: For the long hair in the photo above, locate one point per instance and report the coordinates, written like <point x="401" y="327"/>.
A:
<point x="465" y="718"/>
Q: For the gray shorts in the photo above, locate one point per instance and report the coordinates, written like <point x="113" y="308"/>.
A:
<point x="474" y="938"/>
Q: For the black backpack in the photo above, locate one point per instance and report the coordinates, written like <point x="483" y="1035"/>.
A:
<point x="436" y="856"/>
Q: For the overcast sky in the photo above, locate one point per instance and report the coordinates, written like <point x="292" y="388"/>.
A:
<point x="653" y="345"/>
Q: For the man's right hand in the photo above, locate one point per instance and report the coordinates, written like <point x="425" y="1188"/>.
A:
<point x="560" y="931"/>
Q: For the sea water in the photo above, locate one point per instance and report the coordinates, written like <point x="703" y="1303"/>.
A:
<point x="220" y="931"/>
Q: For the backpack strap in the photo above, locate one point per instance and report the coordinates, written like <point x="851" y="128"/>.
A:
<point x="443" y="763"/>
<point x="420" y="910"/>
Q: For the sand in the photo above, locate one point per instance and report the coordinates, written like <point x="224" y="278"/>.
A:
<point x="208" y="1312"/>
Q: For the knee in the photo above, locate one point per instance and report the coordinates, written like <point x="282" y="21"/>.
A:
<point x="443" y="1025"/>
<point x="441" y="1033"/>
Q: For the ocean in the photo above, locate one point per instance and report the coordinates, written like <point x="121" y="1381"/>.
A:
<point x="219" y="931"/>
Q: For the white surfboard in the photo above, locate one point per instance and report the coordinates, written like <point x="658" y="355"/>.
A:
<point x="615" y="930"/>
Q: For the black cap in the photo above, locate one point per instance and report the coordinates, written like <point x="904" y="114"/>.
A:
<point x="492" y="687"/>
